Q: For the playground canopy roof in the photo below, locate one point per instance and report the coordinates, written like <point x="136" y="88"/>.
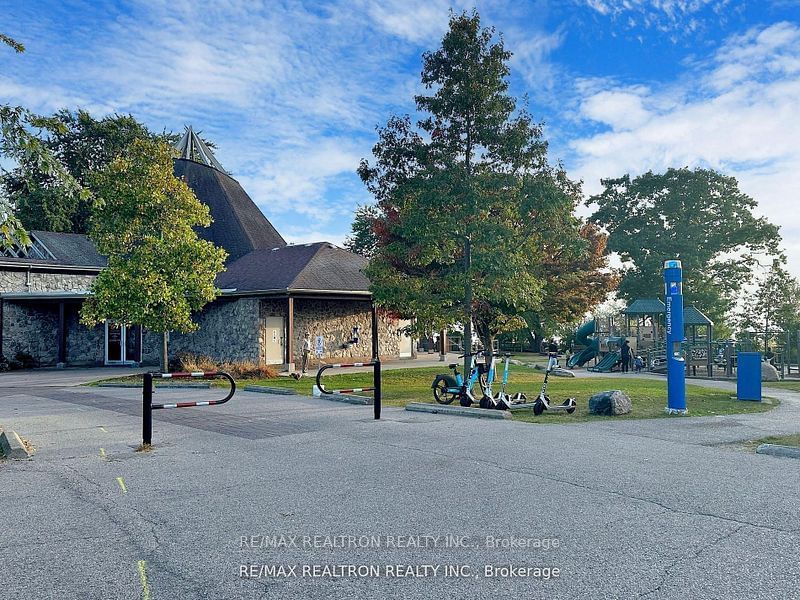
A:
<point x="693" y="316"/>
<point x="654" y="306"/>
<point x="645" y="306"/>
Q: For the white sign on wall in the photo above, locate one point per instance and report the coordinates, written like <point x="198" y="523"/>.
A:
<point x="319" y="346"/>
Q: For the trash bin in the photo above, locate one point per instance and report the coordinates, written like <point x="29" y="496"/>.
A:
<point x="748" y="376"/>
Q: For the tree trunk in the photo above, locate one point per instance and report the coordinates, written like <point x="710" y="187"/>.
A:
<point x="467" y="305"/>
<point x="164" y="353"/>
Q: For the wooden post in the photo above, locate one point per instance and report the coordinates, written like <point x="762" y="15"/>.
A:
<point x="62" y="336"/>
<point x="290" y="333"/>
<point x="442" y="345"/>
<point x="375" y="349"/>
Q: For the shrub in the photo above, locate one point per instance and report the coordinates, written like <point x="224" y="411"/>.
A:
<point x="238" y="369"/>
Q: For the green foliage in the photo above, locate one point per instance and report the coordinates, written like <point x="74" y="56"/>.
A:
<point x="21" y="142"/>
<point x="159" y="271"/>
<point x="775" y="304"/>
<point x="468" y="210"/>
<point x="84" y="146"/>
<point x="15" y="45"/>
<point x="699" y="216"/>
<point x="362" y="238"/>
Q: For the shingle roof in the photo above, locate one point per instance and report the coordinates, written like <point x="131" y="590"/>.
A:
<point x="239" y="226"/>
<point x="320" y="266"/>
<point x="645" y="306"/>
<point x="70" y="249"/>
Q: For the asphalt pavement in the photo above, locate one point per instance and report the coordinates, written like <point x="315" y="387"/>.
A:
<point x="278" y="497"/>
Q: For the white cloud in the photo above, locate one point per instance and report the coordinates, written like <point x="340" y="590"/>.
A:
<point x="677" y="17"/>
<point x="739" y="113"/>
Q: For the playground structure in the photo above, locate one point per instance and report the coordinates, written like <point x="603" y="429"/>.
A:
<point x="597" y="343"/>
<point x="602" y="347"/>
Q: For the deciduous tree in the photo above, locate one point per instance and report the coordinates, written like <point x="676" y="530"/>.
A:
<point x="698" y="216"/>
<point x="159" y="272"/>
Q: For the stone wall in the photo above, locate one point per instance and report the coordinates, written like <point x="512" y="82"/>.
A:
<point x="32" y="328"/>
<point x="229" y="331"/>
<point x="33" y="281"/>
<point x="334" y="321"/>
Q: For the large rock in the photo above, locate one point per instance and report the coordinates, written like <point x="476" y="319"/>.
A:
<point x="768" y="372"/>
<point x="611" y="402"/>
<point x="562" y="373"/>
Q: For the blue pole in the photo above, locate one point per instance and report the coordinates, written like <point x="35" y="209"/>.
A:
<point x="676" y="364"/>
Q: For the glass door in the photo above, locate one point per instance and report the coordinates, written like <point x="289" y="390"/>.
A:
<point x="115" y="344"/>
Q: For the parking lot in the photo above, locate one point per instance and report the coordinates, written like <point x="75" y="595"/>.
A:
<point x="277" y="496"/>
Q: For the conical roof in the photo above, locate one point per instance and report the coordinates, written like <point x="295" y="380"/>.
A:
<point x="239" y="226"/>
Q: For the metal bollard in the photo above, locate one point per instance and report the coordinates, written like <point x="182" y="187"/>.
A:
<point x="376" y="378"/>
<point x="147" y="409"/>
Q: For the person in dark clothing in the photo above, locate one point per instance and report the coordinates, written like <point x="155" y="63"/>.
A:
<point x="625" y="352"/>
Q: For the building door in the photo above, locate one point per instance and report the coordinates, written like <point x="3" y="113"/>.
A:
<point x="123" y="344"/>
<point x="273" y="340"/>
<point x="406" y="343"/>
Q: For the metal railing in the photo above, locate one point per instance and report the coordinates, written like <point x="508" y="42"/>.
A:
<point x="376" y="382"/>
<point x="147" y="397"/>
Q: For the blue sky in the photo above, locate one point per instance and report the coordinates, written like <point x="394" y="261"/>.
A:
<point x="291" y="92"/>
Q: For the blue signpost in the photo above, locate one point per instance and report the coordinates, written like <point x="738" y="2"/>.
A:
<point x="676" y="364"/>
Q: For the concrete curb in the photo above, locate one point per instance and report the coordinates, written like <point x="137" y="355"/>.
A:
<point x="264" y="389"/>
<point x="132" y="386"/>
<point x="778" y="450"/>
<point x="11" y="446"/>
<point x="458" y="411"/>
<point x="360" y="400"/>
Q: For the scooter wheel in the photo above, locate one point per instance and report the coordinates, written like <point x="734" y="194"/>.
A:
<point x="485" y="402"/>
<point x="465" y="401"/>
<point x="538" y="407"/>
<point x="572" y="405"/>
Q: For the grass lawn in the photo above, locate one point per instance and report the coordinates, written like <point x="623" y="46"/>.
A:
<point x="793" y="439"/>
<point x="401" y="386"/>
<point x="791" y="385"/>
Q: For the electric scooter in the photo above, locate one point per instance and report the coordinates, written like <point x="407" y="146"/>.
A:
<point x="503" y="400"/>
<point x="447" y="388"/>
<point x="542" y="402"/>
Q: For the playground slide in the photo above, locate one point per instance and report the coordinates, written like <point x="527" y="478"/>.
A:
<point x="592" y="346"/>
<point x="608" y="362"/>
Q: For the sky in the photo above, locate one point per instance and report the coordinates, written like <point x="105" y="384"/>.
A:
<point x="292" y="92"/>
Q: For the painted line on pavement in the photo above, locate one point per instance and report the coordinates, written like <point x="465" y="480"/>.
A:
<point x="122" y="485"/>
<point x="142" y="566"/>
<point x="103" y="453"/>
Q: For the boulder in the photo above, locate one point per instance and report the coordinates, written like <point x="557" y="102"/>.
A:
<point x="768" y="372"/>
<point x="562" y="373"/>
<point x="611" y="402"/>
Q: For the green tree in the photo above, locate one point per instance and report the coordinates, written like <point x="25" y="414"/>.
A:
<point x="21" y="141"/>
<point x="159" y="271"/>
<point x="699" y="216"/>
<point x="468" y="207"/>
<point x="362" y="239"/>
<point x="85" y="146"/>
<point x="775" y="305"/>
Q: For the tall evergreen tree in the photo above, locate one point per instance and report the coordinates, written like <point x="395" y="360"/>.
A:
<point x="468" y="209"/>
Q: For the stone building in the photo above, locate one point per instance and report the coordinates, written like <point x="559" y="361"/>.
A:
<point x="272" y="293"/>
